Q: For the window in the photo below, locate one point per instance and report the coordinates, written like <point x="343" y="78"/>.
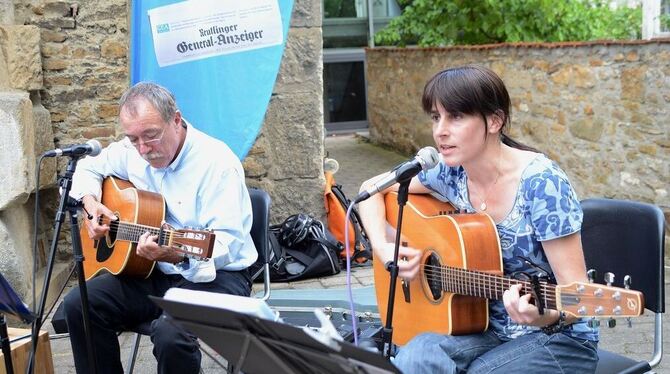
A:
<point x="655" y="19"/>
<point x="346" y="31"/>
<point x="344" y="95"/>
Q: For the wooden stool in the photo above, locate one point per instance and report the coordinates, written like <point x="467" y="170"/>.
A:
<point x="21" y="352"/>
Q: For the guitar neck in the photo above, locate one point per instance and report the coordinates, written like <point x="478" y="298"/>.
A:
<point x="481" y="284"/>
<point x="131" y="232"/>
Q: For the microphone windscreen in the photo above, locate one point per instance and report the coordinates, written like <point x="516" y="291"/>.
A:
<point x="96" y="147"/>
<point x="331" y="165"/>
<point x="429" y="157"/>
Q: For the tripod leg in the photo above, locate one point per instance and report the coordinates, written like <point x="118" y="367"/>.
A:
<point x="83" y="292"/>
<point x="6" y="348"/>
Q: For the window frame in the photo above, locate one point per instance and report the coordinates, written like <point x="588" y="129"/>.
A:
<point x="651" y="22"/>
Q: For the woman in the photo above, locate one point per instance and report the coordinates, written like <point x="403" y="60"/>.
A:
<point x="537" y="215"/>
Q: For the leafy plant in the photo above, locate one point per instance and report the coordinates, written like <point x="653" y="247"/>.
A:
<point x="448" y="22"/>
<point x="665" y="22"/>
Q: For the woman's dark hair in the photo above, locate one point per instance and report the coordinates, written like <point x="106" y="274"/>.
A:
<point x="473" y="90"/>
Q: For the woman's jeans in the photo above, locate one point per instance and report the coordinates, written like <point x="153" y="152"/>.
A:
<point x="486" y="353"/>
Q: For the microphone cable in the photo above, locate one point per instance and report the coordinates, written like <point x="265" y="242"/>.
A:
<point x="354" y="329"/>
<point x="35" y="328"/>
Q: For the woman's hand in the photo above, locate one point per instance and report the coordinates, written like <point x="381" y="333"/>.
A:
<point x="523" y="312"/>
<point x="408" y="259"/>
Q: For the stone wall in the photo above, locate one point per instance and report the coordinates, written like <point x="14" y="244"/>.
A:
<point x="26" y="133"/>
<point x="64" y="66"/>
<point x="599" y="109"/>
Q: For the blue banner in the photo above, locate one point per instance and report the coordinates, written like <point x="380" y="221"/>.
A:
<point x="225" y="95"/>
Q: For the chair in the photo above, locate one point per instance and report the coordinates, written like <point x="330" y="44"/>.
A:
<point x="260" y="205"/>
<point x="628" y="238"/>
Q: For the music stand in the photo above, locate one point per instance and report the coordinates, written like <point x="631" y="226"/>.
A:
<point x="255" y="345"/>
<point x="10" y="303"/>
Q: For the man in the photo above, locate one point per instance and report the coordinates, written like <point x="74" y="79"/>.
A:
<point x="202" y="182"/>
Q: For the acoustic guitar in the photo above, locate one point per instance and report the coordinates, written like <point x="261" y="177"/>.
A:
<point x="461" y="267"/>
<point x="137" y="212"/>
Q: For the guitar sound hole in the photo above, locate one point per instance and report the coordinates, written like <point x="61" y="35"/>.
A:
<point x="433" y="275"/>
<point x="103" y="251"/>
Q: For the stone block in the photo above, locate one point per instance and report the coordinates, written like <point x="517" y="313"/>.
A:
<point x="6" y="12"/>
<point x="44" y="141"/>
<point x="306" y="13"/>
<point x="16" y="246"/>
<point x="26" y="133"/>
<point x="21" y="51"/>
<point x="295" y="195"/>
<point x="294" y="123"/>
<point x="301" y="68"/>
<point x="57" y="9"/>
<point x="53" y="36"/>
<point x="113" y="49"/>
<point x="633" y="84"/>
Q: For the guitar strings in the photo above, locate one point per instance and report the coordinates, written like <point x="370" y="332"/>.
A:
<point x="132" y="232"/>
<point x="458" y="279"/>
<point x="139" y="229"/>
<point x="445" y="274"/>
<point x="477" y="283"/>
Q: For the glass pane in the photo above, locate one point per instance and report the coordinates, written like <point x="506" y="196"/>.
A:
<point x="385" y="8"/>
<point x="665" y="15"/>
<point x="344" y="92"/>
<point x="345" y="9"/>
<point x="345" y="22"/>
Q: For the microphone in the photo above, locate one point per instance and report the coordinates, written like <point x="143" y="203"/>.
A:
<point x="91" y="148"/>
<point x="425" y="159"/>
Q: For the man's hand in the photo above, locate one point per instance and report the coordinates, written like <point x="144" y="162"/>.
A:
<point x="96" y="227"/>
<point x="408" y="259"/>
<point x="148" y="248"/>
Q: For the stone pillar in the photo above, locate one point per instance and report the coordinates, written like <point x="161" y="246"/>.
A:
<point x="287" y="158"/>
<point x="25" y="128"/>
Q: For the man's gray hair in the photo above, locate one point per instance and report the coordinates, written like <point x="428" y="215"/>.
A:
<point x="158" y="96"/>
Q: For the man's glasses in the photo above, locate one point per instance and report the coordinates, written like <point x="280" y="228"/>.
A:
<point x="147" y="140"/>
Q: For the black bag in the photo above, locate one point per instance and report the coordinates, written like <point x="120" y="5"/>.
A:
<point x="302" y="248"/>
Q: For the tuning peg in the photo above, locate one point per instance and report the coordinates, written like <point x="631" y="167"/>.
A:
<point x="627" y="280"/>
<point x="591" y="274"/>
<point x="611" y="322"/>
<point x="609" y="278"/>
<point x="593" y="323"/>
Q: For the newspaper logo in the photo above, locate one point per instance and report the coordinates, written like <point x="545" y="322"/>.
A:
<point x="163" y="27"/>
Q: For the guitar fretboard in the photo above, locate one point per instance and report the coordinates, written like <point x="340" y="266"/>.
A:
<point x="480" y="284"/>
<point x="132" y="231"/>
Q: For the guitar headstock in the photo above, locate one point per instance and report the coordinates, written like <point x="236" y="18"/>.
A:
<point x="197" y="244"/>
<point x="596" y="300"/>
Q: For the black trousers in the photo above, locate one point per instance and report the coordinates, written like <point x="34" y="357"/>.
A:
<point x="118" y="303"/>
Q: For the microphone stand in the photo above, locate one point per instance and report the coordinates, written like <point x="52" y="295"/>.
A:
<point x="72" y="206"/>
<point x="392" y="267"/>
